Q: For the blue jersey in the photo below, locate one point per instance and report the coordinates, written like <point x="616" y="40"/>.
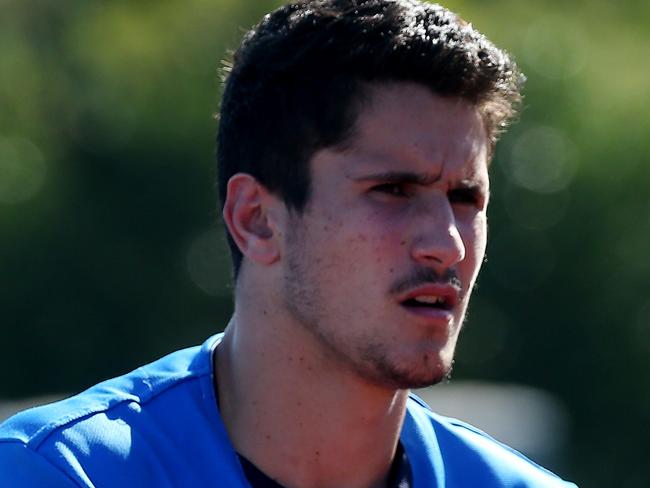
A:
<point x="160" y="426"/>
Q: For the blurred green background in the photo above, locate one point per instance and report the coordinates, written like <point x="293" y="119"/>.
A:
<point x="111" y="253"/>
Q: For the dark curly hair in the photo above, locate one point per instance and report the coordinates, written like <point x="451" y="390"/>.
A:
<point x="296" y="83"/>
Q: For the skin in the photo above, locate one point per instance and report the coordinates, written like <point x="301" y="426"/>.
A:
<point x="321" y="347"/>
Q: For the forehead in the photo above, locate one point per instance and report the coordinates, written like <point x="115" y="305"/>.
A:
<point x="404" y="126"/>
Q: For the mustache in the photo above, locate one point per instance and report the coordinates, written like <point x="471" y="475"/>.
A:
<point x="426" y="276"/>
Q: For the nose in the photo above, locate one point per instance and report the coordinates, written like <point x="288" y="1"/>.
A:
<point x="438" y="242"/>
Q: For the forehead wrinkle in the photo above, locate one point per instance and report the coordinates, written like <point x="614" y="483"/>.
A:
<point x="418" y="172"/>
<point x="410" y="139"/>
<point x="404" y="161"/>
<point x="417" y="155"/>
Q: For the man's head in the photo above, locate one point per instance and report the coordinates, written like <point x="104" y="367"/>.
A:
<point x="354" y="146"/>
<point x="301" y="77"/>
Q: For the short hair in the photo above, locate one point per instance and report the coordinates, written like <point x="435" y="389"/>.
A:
<point x="296" y="83"/>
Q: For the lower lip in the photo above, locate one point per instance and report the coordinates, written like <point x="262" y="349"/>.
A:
<point x="431" y="314"/>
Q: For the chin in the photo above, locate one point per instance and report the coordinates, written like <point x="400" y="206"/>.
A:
<point x="425" y="379"/>
<point x="426" y="370"/>
<point x="413" y="380"/>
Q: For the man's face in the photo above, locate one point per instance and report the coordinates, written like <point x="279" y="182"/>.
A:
<point x="381" y="264"/>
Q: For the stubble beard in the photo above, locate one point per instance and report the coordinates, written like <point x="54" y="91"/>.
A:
<point x="367" y="357"/>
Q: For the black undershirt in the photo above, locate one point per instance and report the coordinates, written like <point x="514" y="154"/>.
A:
<point x="399" y="476"/>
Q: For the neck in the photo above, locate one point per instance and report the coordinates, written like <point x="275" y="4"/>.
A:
<point x="298" y="416"/>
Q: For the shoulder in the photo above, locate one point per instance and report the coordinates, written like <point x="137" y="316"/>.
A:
<point x="97" y="425"/>
<point x="470" y="457"/>
<point x="140" y="386"/>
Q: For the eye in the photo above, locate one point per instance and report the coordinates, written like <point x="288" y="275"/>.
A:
<point x="393" y="189"/>
<point x="466" y="196"/>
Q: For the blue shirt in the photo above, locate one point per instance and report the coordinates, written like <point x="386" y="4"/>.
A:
<point x="160" y="426"/>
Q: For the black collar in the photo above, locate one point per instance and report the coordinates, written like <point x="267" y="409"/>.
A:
<point x="399" y="476"/>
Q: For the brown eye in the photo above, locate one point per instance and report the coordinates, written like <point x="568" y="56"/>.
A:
<point x="394" y="189"/>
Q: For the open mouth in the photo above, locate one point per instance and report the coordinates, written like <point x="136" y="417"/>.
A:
<point x="428" y="301"/>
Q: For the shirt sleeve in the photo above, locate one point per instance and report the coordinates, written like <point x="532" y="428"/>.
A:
<point x="21" y="467"/>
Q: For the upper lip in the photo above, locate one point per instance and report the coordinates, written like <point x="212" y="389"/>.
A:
<point x="449" y="293"/>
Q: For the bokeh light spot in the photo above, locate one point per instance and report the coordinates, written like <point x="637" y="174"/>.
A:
<point x="208" y="263"/>
<point x="542" y="160"/>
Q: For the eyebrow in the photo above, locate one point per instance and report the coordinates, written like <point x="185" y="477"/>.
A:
<point x="423" y="179"/>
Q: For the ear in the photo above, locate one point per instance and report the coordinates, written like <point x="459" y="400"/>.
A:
<point x="248" y="214"/>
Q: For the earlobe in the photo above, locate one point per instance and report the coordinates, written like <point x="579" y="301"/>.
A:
<point x="247" y="215"/>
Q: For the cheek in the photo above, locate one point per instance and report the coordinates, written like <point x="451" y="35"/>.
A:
<point x="474" y="235"/>
<point x="480" y="230"/>
<point x="342" y="245"/>
<point x="359" y="238"/>
<point x="362" y="228"/>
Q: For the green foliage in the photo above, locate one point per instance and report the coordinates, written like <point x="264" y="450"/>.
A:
<point x="111" y="252"/>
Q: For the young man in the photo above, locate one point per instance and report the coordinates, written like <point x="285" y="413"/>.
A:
<point x="353" y="147"/>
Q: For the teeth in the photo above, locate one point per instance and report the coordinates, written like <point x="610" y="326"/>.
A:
<point x="429" y="299"/>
